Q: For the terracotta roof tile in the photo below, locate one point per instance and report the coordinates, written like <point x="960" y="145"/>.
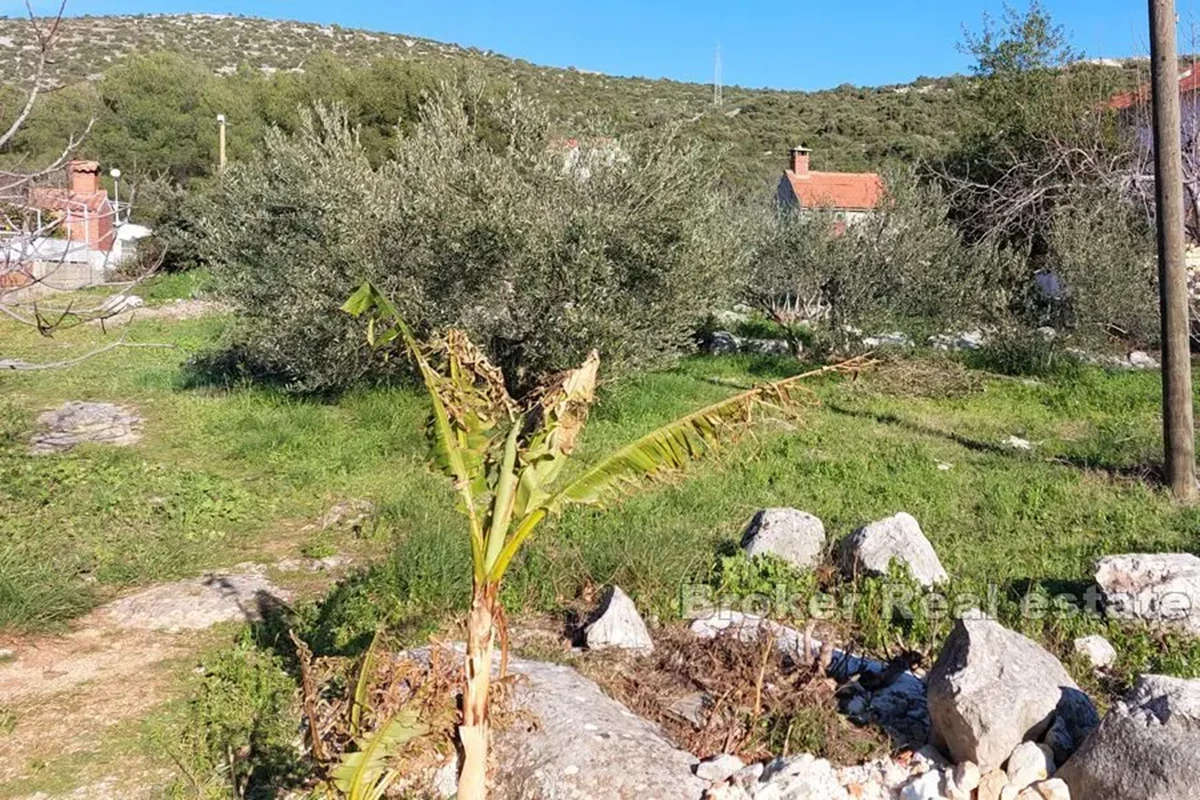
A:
<point x="1189" y="81"/>
<point x="848" y="191"/>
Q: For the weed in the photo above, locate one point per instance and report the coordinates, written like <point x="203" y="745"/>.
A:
<point x="238" y="729"/>
<point x="764" y="576"/>
<point x="1024" y="353"/>
<point x="320" y="545"/>
<point x="743" y="697"/>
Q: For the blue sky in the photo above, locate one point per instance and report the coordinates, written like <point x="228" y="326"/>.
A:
<point x="803" y="45"/>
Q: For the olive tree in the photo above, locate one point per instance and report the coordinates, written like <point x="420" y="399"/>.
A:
<point x="540" y="249"/>
<point x="903" y="262"/>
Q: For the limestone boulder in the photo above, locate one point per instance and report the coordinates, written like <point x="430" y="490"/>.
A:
<point x="1148" y="746"/>
<point x="617" y="624"/>
<point x="1097" y="650"/>
<point x="872" y="548"/>
<point x="797" y="537"/>
<point x="1161" y="588"/>
<point x="992" y="689"/>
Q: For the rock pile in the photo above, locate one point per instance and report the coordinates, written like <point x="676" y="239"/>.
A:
<point x="997" y="718"/>
<point x="726" y="343"/>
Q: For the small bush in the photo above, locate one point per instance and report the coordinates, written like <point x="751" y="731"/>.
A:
<point x="238" y="732"/>
<point x="479" y="221"/>
<point x="1022" y="352"/>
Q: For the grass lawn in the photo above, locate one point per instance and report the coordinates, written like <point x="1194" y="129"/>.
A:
<point x="225" y="475"/>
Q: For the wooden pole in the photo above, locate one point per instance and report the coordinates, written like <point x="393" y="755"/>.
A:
<point x="1178" y="421"/>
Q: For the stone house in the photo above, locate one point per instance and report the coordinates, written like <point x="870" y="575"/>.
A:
<point x="849" y="195"/>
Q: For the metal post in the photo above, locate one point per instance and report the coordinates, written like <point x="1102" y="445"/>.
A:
<point x="221" y="143"/>
<point x="1178" y="421"/>
<point x="116" y="176"/>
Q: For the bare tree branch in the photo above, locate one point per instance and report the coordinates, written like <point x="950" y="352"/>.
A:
<point x="48" y="237"/>
<point x="17" y="365"/>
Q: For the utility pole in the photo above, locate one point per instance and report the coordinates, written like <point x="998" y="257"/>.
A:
<point x="718" y="89"/>
<point x="221" y="143"/>
<point x="1178" y="422"/>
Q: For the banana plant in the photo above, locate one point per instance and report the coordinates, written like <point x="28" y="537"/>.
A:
<point x="506" y="461"/>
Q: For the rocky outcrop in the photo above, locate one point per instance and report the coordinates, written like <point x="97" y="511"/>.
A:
<point x="1160" y="588"/>
<point x="1147" y="747"/>
<point x="797" y="537"/>
<point x="75" y="422"/>
<point x="872" y="548"/>
<point x="197" y="603"/>
<point x="578" y="742"/>
<point x="992" y="689"/>
<point x="570" y="739"/>
<point x="618" y="624"/>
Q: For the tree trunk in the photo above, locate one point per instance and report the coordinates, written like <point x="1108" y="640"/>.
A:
<point x="473" y="732"/>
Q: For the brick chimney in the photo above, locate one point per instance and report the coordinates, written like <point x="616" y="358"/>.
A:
<point x="800" y="160"/>
<point x="85" y="176"/>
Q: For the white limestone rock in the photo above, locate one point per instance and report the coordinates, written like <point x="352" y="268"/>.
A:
<point x="797" y="537"/>
<point x="617" y="624"/>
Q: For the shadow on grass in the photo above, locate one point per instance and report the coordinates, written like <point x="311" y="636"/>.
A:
<point x="884" y="418"/>
<point x="1019" y="588"/>
<point x="1144" y="473"/>
<point x="228" y="368"/>
<point x="1148" y="473"/>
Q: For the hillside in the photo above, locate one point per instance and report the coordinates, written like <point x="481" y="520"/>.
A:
<point x="850" y="128"/>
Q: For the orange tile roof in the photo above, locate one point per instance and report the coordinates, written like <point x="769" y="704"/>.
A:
<point x="1189" y="81"/>
<point x="847" y="191"/>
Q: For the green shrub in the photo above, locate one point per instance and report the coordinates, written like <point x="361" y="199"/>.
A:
<point x="1023" y="352"/>
<point x="902" y="263"/>
<point x="1105" y="259"/>
<point x="477" y="221"/>
<point x="238" y="735"/>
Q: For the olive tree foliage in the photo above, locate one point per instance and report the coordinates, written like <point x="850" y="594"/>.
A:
<point x="1107" y="267"/>
<point x="480" y="221"/>
<point x="904" y="263"/>
<point x="1042" y="170"/>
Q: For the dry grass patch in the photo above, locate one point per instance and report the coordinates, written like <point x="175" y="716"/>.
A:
<point x="730" y="695"/>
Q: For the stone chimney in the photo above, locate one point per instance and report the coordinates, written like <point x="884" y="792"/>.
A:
<point x="800" y="156"/>
<point x="85" y="176"/>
